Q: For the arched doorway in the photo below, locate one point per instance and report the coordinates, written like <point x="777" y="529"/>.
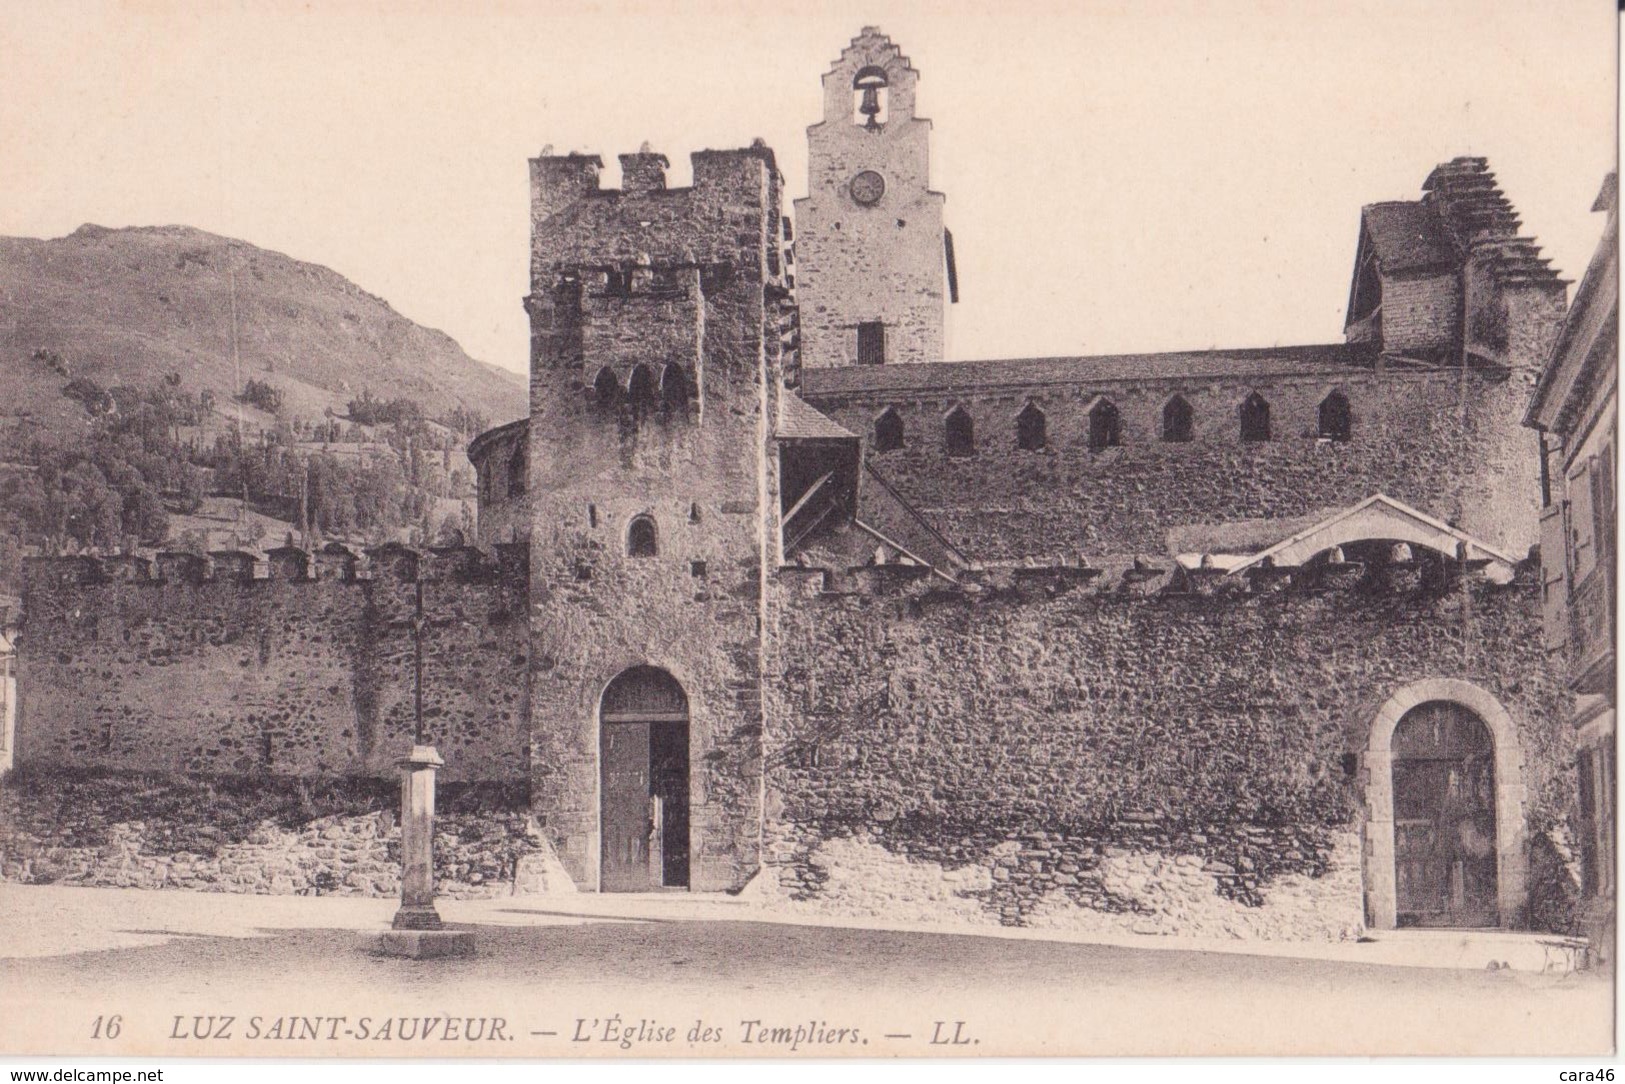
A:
<point x="1445" y="804"/>
<point x="643" y="782"/>
<point x="1444" y="818"/>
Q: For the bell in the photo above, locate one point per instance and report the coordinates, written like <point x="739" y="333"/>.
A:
<point x="871" y="106"/>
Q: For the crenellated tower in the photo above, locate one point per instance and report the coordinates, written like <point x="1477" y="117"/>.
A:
<point x="874" y="260"/>
<point x="655" y="364"/>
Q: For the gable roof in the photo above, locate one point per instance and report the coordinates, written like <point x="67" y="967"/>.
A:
<point x="798" y="421"/>
<point x="1378" y="516"/>
<point x="1409" y="236"/>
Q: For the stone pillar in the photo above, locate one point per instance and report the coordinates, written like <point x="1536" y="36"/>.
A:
<point x="418" y="932"/>
<point x="417" y="910"/>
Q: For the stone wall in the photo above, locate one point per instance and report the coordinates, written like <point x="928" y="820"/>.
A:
<point x="258" y="836"/>
<point x="308" y="670"/>
<point x="1055" y="749"/>
<point x="1444" y="441"/>
<point x="1421" y="312"/>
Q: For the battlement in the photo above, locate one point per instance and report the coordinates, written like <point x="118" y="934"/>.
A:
<point x="334" y="562"/>
<point x="561" y="182"/>
<point x="1394" y="574"/>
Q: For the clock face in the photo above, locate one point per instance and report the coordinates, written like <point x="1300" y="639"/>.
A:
<point x="867" y="187"/>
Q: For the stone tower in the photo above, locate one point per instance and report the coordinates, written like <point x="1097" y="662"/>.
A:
<point x="654" y="373"/>
<point x="874" y="260"/>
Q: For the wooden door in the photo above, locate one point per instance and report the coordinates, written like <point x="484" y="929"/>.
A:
<point x="1444" y="818"/>
<point x="624" y="749"/>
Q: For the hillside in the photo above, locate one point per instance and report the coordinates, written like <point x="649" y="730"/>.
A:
<point x="128" y="306"/>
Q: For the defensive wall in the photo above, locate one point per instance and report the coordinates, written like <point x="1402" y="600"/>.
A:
<point x="301" y="666"/>
<point x="1156" y="749"/>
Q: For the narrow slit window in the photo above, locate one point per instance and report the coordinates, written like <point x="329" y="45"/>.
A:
<point x="959" y="433"/>
<point x="1105" y="426"/>
<point x="872" y="343"/>
<point x="516" y="472"/>
<point x="1255" y="419"/>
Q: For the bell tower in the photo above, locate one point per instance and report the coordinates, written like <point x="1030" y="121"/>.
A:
<point x="874" y="261"/>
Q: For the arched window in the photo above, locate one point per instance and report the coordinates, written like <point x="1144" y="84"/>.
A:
<point x="889" y="431"/>
<point x="959" y="433"/>
<point x="1105" y="426"/>
<point x="1178" y="421"/>
<point x="1255" y="418"/>
<point x="1336" y="421"/>
<point x="869" y="97"/>
<point x="516" y="472"/>
<point x="1031" y="435"/>
<point x="606" y="390"/>
<point x="641" y="540"/>
<point x="674" y="389"/>
<point x="640" y="389"/>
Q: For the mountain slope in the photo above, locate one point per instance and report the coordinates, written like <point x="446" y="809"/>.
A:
<point x="128" y="306"/>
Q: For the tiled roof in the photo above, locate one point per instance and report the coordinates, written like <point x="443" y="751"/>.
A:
<point x="1409" y="236"/>
<point x="798" y="421"/>
<point x="948" y="375"/>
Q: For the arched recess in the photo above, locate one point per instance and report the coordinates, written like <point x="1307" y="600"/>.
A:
<point x="1032" y="429"/>
<point x="641" y="392"/>
<point x="643" y="739"/>
<point x="642" y="537"/>
<point x="870" y="91"/>
<point x="1381" y="897"/>
<point x="1105" y="426"/>
<point x="1255" y="419"/>
<point x="606" y="390"/>
<point x="674" y="389"/>
<point x="889" y="431"/>
<point x="1334" y="419"/>
<point x="1178" y="420"/>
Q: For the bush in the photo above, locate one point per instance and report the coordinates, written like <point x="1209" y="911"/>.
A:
<point x="262" y="394"/>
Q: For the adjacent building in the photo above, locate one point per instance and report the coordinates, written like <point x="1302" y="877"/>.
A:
<point x="1575" y="408"/>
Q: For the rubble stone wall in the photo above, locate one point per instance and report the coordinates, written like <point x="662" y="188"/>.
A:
<point x="309" y="670"/>
<point x="1180" y="762"/>
<point x="1447" y="442"/>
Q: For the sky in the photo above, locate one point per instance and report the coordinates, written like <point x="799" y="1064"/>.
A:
<point x="1120" y="177"/>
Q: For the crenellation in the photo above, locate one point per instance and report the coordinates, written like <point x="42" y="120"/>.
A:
<point x="233" y="566"/>
<point x="128" y="568"/>
<point x="182" y="568"/>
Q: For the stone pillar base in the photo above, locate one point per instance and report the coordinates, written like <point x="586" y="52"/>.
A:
<point x="426" y="944"/>
<point x="422" y="917"/>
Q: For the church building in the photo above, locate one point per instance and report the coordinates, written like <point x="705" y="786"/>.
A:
<point x="1240" y="642"/>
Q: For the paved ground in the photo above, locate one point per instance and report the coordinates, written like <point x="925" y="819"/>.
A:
<point x="167" y="962"/>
